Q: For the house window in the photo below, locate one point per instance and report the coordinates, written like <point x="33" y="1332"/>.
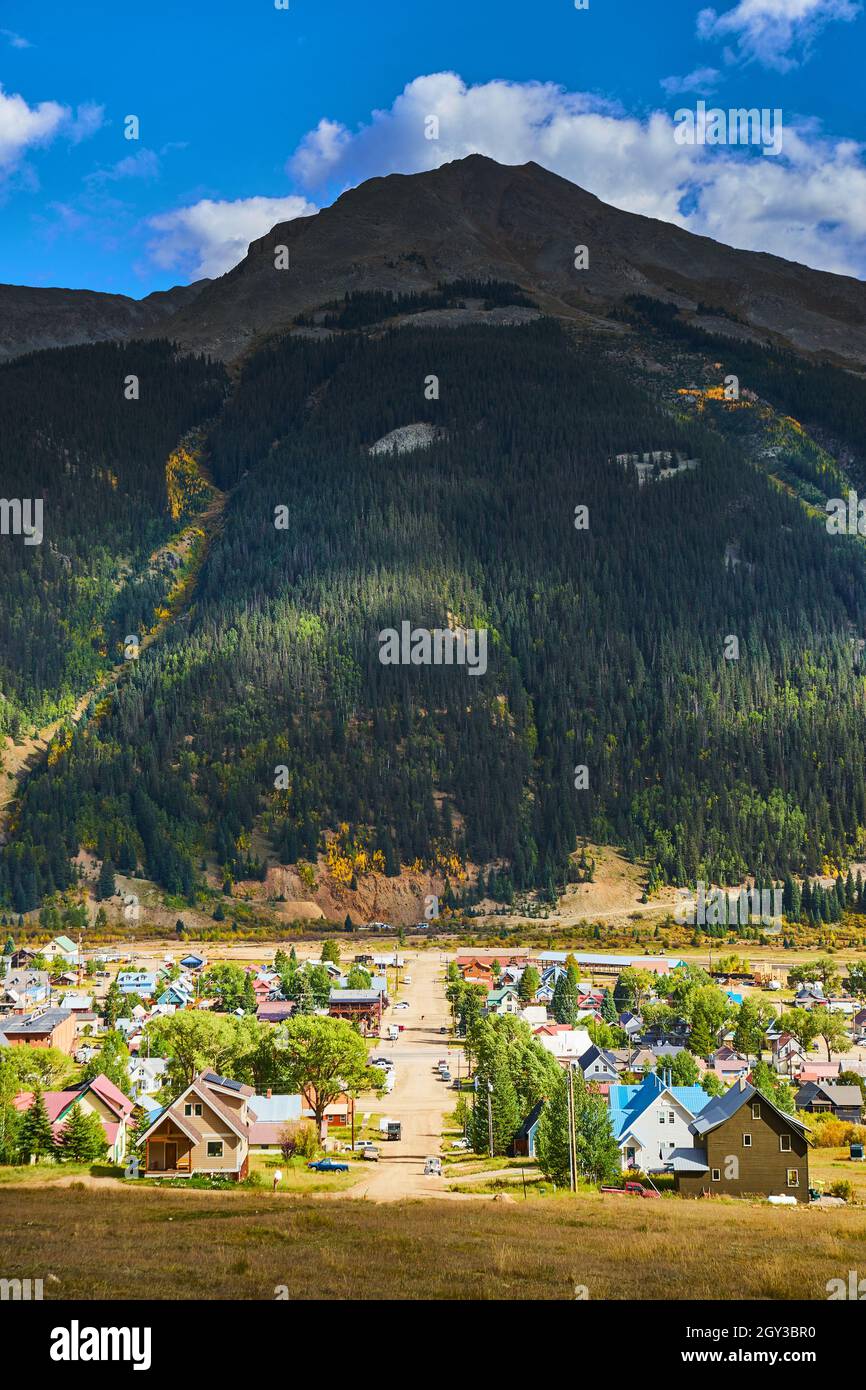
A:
<point x="756" y="1110"/>
<point x="785" y="1143"/>
<point x="191" y="1109"/>
<point x="793" y="1177"/>
<point x="214" y="1148"/>
<point x="717" y="1175"/>
<point x="747" y="1141"/>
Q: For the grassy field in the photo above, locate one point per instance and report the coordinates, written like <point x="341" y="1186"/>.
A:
<point x="128" y="1244"/>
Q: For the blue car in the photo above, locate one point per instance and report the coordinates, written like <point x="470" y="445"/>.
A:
<point x="328" y="1165"/>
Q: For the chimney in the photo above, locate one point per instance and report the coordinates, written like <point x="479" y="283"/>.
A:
<point x="742" y="1083"/>
<point x="268" y="1093"/>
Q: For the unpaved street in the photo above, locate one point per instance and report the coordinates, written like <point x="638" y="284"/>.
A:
<point x="419" y="1099"/>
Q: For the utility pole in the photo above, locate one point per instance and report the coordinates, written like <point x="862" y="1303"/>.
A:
<point x="572" y="1164"/>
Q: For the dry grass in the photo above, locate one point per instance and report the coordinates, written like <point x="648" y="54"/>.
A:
<point x="127" y="1244"/>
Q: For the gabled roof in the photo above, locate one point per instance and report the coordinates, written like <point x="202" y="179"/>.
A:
<point x="64" y="943"/>
<point x="721" y="1108"/>
<point x="628" y="1103"/>
<point x="531" y="1121"/>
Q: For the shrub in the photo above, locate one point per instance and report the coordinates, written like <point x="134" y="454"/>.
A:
<point x="299" y="1140"/>
<point x="844" y="1189"/>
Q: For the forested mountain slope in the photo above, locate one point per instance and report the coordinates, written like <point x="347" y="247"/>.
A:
<point x="606" y="644"/>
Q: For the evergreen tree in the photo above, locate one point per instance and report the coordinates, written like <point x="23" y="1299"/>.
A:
<point x="82" y="1137"/>
<point x="35" y="1137"/>
<point x="564" y="1005"/>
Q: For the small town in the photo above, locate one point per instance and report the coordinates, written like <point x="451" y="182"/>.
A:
<point x="393" y="1073"/>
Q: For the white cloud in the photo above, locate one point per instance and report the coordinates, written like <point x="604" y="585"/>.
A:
<point x="775" y="33"/>
<point x="15" y="40"/>
<point x="144" y="164"/>
<point x="808" y="204"/>
<point x="87" y="121"/>
<point x="208" y="238"/>
<point x="23" y="126"/>
<point x="703" y="80"/>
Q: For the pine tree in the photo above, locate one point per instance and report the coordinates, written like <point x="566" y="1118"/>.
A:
<point x="82" y="1138"/>
<point x="564" y="1004"/>
<point x="106" y="886"/>
<point x="35" y="1138"/>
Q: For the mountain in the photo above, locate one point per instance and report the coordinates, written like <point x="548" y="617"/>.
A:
<point x="31" y="319"/>
<point x="192" y="683"/>
<point x="467" y="219"/>
<point x="474" y="217"/>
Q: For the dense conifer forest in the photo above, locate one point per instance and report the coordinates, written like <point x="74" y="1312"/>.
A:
<point x="606" y="641"/>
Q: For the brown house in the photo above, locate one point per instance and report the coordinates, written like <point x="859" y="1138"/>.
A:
<point x="206" y="1130"/>
<point x="744" y="1147"/>
<point x="44" y="1028"/>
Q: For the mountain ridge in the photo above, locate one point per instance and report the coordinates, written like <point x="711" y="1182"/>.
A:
<point x="471" y="217"/>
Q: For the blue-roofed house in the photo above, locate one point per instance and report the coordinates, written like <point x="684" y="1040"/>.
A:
<point x="178" y="994"/>
<point x="649" y="1121"/>
<point x="141" y="982"/>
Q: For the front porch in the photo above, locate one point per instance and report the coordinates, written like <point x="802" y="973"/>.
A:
<point x="168" y="1158"/>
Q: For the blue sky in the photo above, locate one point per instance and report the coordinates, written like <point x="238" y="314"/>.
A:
<point x="249" y="114"/>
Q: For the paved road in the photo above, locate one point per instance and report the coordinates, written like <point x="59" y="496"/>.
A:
<point x="420" y="1099"/>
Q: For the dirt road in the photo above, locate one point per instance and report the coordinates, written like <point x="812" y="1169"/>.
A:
<point x="419" y="1099"/>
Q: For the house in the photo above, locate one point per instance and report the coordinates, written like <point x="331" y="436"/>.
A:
<point x="523" y="1145"/>
<point x="824" y="1098"/>
<point x="24" y="989"/>
<point x="631" y="1024"/>
<point x="141" y="982"/>
<point x="146" y="1075"/>
<point x="363" y="1006"/>
<point x="269" y="1115"/>
<point x="534" y="1014"/>
<point x="78" y="1003"/>
<point x="19" y="959"/>
<point x="819" y="1071"/>
<point x="503" y="1001"/>
<point x="62" y="950"/>
<point x="728" y="1065"/>
<point x="652" y="1120"/>
<point x="743" y="1145"/>
<point x="858" y="1025"/>
<point x="598" y="1065"/>
<point x="45" y="1028"/>
<point x="206" y="1130"/>
<point x="178" y="995"/>
<point x="99" y="1096"/>
<point x="193" y="962"/>
<point x="275" y="1011"/>
<point x="567" y="1044"/>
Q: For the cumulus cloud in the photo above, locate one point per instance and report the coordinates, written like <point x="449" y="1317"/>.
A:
<point x="209" y="237"/>
<point x="775" y="33"/>
<point x="807" y="204"/>
<point x="24" y="127"/>
<point x="701" y="80"/>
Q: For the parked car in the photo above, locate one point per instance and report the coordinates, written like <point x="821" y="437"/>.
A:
<point x="407" y="979"/>
<point x="371" y="1154"/>
<point x="460" y="1144"/>
<point x="394" y="1130"/>
<point x="443" y="1062"/>
<point x="433" y="1166"/>
<point x="402" y="1005"/>
<point x="443" y="1030"/>
<point x="446" y="1075"/>
<point x="364" y="1144"/>
<point x="328" y="1165"/>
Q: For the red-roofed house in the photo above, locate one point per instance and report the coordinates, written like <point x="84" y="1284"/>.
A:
<point x="99" y="1096"/>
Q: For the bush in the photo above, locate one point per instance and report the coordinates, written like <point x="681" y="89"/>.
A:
<point x="843" y="1189"/>
<point x="830" y="1133"/>
<point x="299" y="1140"/>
